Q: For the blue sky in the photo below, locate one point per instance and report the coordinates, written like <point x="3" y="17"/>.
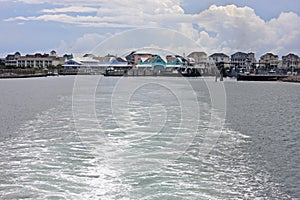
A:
<point x="227" y="26"/>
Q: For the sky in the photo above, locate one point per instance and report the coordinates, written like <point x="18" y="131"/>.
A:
<point x="179" y="26"/>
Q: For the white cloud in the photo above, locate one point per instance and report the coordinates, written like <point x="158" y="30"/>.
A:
<point x="77" y="9"/>
<point x="287" y="29"/>
<point x="222" y="28"/>
<point x="240" y="29"/>
<point x="161" y="39"/>
<point x="156" y="39"/>
<point x="86" y="43"/>
<point x="113" y="13"/>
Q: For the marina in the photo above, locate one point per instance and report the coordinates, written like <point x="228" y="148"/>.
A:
<point x="149" y="100"/>
<point x="241" y="66"/>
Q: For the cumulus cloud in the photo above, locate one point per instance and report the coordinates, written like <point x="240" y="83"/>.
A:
<point x="149" y="39"/>
<point x="221" y="28"/>
<point x="161" y="39"/>
<point x="287" y="29"/>
<point x="86" y="43"/>
<point x="234" y="27"/>
<point x="239" y="28"/>
<point x="114" y="13"/>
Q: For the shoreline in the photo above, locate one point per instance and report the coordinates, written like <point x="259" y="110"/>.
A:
<point x="22" y="76"/>
<point x="290" y="79"/>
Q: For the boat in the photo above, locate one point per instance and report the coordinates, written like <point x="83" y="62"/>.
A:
<point x="189" y="72"/>
<point x="113" y="71"/>
<point x="260" y="77"/>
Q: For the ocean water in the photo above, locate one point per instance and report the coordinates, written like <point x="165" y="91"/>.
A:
<point x="89" y="137"/>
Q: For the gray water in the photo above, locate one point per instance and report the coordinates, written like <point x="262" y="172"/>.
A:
<point x="148" y="138"/>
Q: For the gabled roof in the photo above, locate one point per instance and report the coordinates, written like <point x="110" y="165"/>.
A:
<point x="290" y="55"/>
<point x="239" y="53"/>
<point x="197" y="54"/>
<point x="89" y="55"/>
<point x="219" y="55"/>
<point x="161" y="57"/>
<point x="119" y="59"/>
<point x="72" y="62"/>
<point x="10" y="57"/>
<point x="269" y="54"/>
<point x="144" y="59"/>
<point x="172" y="59"/>
<point x="154" y="59"/>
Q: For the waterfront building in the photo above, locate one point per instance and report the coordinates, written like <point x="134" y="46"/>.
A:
<point x="218" y="57"/>
<point x="11" y="60"/>
<point x="137" y="57"/>
<point x="200" y="59"/>
<point x="95" y="64"/>
<point x="78" y="62"/>
<point x="154" y="62"/>
<point x="202" y="62"/>
<point x="241" y="60"/>
<point x="291" y="61"/>
<point x="161" y="62"/>
<point x="268" y="61"/>
<point x="175" y="61"/>
<point x="37" y="60"/>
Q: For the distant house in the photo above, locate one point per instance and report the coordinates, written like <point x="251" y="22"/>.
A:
<point x="268" y="61"/>
<point x="199" y="58"/>
<point x="161" y="62"/>
<point x="73" y="63"/>
<point x="242" y="60"/>
<point x="11" y="60"/>
<point x="174" y="61"/>
<point x="219" y="57"/>
<point x="155" y="61"/>
<point x="137" y="57"/>
<point x="37" y="60"/>
<point x="291" y="61"/>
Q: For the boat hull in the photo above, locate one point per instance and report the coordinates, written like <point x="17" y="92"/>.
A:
<point x="259" y="77"/>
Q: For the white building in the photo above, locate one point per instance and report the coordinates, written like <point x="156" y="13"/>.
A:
<point x="218" y="58"/>
<point x="200" y="59"/>
<point x="37" y="60"/>
<point x="92" y="63"/>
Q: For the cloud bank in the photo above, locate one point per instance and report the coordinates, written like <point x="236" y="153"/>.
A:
<point x="217" y="29"/>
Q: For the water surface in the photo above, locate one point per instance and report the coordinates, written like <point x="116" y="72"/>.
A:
<point x="99" y="145"/>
